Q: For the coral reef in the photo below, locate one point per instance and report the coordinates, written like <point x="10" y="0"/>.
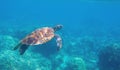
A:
<point x="76" y="63"/>
<point x="76" y="54"/>
<point x="11" y="60"/>
<point x="30" y="61"/>
<point x="7" y="42"/>
<point x="85" y="47"/>
<point x="37" y="57"/>
<point x="64" y="62"/>
<point x="109" y="57"/>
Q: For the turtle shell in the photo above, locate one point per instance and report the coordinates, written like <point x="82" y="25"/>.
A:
<point x="39" y="36"/>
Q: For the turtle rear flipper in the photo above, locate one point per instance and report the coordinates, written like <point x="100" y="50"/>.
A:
<point x="17" y="46"/>
<point x="23" y="48"/>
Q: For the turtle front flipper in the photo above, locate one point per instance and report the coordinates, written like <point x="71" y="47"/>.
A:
<point x="59" y="41"/>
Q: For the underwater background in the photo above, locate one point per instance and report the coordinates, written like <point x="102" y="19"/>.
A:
<point x="90" y="34"/>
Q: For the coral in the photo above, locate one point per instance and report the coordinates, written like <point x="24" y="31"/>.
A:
<point x="75" y="63"/>
<point x="11" y="60"/>
<point x="85" y="47"/>
<point x="7" y="42"/>
<point x="109" y="57"/>
<point x="59" y="61"/>
<point x="64" y="62"/>
<point x="30" y="61"/>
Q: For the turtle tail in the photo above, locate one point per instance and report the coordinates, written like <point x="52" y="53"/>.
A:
<point x="22" y="48"/>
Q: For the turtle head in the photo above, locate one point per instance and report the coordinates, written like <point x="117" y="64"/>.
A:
<point x="57" y="27"/>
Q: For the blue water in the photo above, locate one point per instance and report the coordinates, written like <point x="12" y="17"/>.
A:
<point x="88" y="28"/>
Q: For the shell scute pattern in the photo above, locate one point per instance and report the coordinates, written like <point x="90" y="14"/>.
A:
<point x="39" y="36"/>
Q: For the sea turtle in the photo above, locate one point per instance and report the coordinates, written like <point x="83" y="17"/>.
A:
<point x="40" y="36"/>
